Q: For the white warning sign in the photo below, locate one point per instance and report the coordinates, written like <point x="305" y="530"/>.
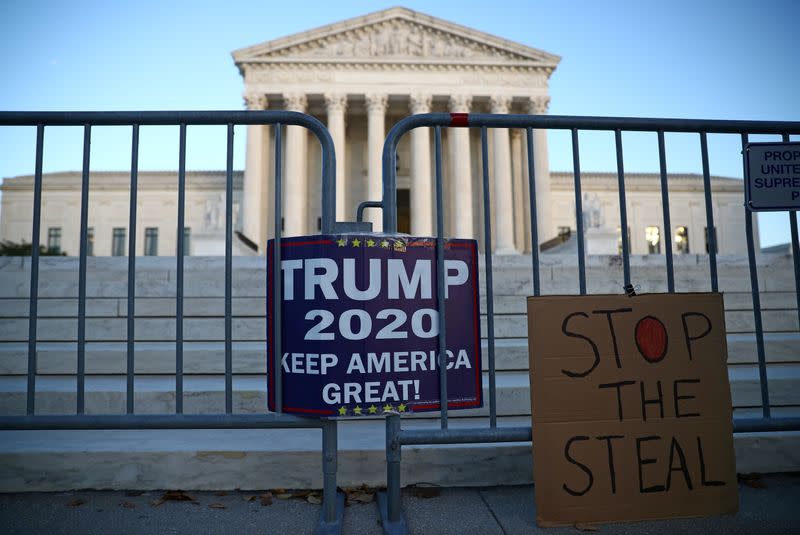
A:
<point x="772" y="176"/>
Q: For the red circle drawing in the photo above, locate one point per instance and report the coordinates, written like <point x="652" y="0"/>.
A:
<point x="651" y="338"/>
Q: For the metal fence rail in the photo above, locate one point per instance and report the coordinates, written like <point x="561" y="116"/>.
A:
<point x="396" y="436"/>
<point x="332" y="509"/>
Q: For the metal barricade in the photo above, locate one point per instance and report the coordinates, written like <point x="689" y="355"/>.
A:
<point x="333" y="504"/>
<point x="396" y="436"/>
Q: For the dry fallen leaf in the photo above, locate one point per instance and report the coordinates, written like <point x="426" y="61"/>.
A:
<point x="77" y="502"/>
<point x="221" y="493"/>
<point x="266" y="499"/>
<point x="283" y="495"/>
<point x="174" y="496"/>
<point x="132" y="493"/>
<point x="314" y="498"/>
<point x="752" y="480"/>
<point x="361" y="494"/>
<point x="585" y="527"/>
<point x="426" y="492"/>
<point x="128" y="505"/>
<point x="217" y="506"/>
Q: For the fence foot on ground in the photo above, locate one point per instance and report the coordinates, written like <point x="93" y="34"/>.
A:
<point x="390" y="527"/>
<point x="332" y="527"/>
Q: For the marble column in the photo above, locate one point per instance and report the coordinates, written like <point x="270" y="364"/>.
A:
<point x="295" y="179"/>
<point x="255" y="192"/>
<point x="421" y="185"/>
<point x="336" y="105"/>
<point x="460" y="202"/>
<point x="503" y="196"/>
<point x="544" y="198"/>
<point x="519" y="178"/>
<point x="376" y="132"/>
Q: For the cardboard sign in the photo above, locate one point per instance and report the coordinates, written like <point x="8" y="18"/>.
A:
<point x="631" y="402"/>
<point x="360" y="325"/>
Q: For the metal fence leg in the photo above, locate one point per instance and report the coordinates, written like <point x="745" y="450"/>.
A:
<point x="330" y="518"/>
<point x="389" y="505"/>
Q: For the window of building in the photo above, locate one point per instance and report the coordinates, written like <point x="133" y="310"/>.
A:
<point x="187" y="241"/>
<point x="151" y="241"/>
<point x="653" y="237"/>
<point x="619" y="240"/>
<point x="54" y="240"/>
<point x="682" y="240"/>
<point x="90" y="241"/>
<point x="118" y="242"/>
<point x="404" y="211"/>
<point x="319" y="224"/>
<point x="716" y="242"/>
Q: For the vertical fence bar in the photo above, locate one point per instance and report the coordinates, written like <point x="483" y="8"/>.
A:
<point x="795" y="249"/>
<point x="87" y="141"/>
<point x="393" y="458"/>
<point x="576" y="167"/>
<point x="662" y="160"/>
<point x="179" y="268"/>
<point x="229" y="273"/>
<point x="751" y="259"/>
<point x="440" y="290"/>
<point x="487" y="252"/>
<point x="276" y="277"/>
<point x="711" y="230"/>
<point x="795" y="258"/>
<point x="131" y="319"/>
<point x="33" y="308"/>
<point x="329" y="467"/>
<point x="534" y="215"/>
<point x="623" y="210"/>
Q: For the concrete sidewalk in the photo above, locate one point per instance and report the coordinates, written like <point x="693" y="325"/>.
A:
<point x="769" y="506"/>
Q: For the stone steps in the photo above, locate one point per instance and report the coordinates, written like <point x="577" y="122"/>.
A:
<point x="256" y="459"/>
<point x="291" y="458"/>
<point x="109" y="329"/>
<point x="251" y="357"/>
<point x="204" y="276"/>
<point x="60" y="307"/>
<point x="155" y="394"/>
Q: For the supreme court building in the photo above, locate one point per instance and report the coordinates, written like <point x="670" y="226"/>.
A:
<point x="359" y="77"/>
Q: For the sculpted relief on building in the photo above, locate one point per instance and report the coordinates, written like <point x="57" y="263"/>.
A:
<point x="392" y="40"/>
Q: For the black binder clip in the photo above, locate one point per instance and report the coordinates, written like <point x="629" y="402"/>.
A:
<point x="630" y="291"/>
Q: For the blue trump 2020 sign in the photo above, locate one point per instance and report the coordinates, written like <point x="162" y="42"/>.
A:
<point x="360" y="325"/>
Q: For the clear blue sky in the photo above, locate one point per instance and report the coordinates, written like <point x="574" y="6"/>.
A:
<point x="725" y="59"/>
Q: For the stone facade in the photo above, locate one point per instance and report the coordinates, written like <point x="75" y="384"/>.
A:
<point x="109" y="199"/>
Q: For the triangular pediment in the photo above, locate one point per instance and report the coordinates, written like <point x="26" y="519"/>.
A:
<point x="396" y="35"/>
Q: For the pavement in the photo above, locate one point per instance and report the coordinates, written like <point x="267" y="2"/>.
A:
<point x="768" y="505"/>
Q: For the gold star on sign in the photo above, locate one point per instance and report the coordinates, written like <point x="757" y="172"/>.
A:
<point x="356" y="242"/>
<point x="387" y="408"/>
<point x="342" y="411"/>
<point x="357" y="410"/>
<point x="342" y="242"/>
<point x="385" y="244"/>
<point x="370" y="243"/>
<point x="401" y="407"/>
<point x="372" y="409"/>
